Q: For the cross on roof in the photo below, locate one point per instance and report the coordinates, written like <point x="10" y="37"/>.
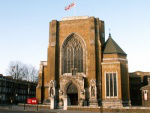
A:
<point x="109" y="30"/>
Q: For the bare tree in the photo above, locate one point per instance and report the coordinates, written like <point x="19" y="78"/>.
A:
<point x="16" y="70"/>
<point x="31" y="73"/>
<point x="21" y="71"/>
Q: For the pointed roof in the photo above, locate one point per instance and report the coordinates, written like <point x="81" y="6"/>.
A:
<point x="111" y="47"/>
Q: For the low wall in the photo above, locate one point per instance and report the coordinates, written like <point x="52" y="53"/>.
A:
<point x="35" y="105"/>
<point x="100" y="109"/>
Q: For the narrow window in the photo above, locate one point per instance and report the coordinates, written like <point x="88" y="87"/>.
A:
<point x="107" y="84"/>
<point x="115" y="84"/>
<point x="111" y="85"/>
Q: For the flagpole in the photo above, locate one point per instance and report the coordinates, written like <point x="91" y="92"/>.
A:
<point x="75" y="8"/>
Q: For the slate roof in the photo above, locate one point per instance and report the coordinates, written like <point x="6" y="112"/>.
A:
<point x="111" y="47"/>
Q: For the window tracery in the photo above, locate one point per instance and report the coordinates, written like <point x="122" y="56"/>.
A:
<point x="73" y="55"/>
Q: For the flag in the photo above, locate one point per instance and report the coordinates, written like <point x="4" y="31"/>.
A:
<point x="71" y="5"/>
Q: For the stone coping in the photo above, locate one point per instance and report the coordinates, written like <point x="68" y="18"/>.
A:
<point x="134" y="107"/>
<point x="40" y="105"/>
<point x="75" y="18"/>
<point x="82" y="107"/>
<point x="113" y="109"/>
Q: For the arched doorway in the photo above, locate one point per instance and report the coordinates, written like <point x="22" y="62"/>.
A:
<point x="72" y="93"/>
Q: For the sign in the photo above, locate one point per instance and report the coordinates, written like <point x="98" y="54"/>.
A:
<point x="32" y="101"/>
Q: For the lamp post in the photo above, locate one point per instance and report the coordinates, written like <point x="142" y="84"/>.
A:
<point x="15" y="74"/>
<point x="28" y="91"/>
<point x="14" y="71"/>
<point x="0" y="99"/>
<point x="16" y="97"/>
<point x="11" y="101"/>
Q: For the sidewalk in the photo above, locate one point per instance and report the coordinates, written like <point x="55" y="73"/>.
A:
<point x="35" y="109"/>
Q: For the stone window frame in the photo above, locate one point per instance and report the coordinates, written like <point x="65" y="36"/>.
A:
<point x="111" y="97"/>
<point x="85" y="70"/>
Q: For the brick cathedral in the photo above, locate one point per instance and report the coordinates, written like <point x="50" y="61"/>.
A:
<point x="82" y="69"/>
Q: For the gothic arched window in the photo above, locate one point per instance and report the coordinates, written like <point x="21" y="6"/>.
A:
<point x="73" y="55"/>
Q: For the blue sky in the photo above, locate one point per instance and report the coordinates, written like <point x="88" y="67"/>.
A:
<point x="24" y="28"/>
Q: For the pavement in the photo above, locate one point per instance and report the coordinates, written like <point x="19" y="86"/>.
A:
<point x="20" y="109"/>
<point x="34" y="109"/>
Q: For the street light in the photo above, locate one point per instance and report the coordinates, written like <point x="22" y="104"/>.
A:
<point x="16" y="97"/>
<point x="11" y="101"/>
<point x="14" y="71"/>
<point x="0" y="99"/>
<point x="15" y="74"/>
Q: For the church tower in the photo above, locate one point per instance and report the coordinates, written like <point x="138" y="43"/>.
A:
<point x="115" y="77"/>
<point x="80" y="66"/>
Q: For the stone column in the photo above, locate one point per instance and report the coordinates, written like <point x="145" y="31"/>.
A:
<point x="52" y="105"/>
<point x="65" y="103"/>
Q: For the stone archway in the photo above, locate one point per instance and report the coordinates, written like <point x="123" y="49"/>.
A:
<point x="72" y="94"/>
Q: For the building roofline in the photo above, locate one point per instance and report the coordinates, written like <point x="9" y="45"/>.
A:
<point x="144" y="87"/>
